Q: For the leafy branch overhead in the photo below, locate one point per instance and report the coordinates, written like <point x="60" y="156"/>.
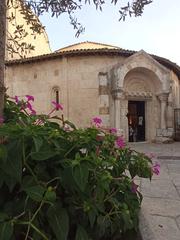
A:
<point x="56" y="8"/>
<point x="30" y="9"/>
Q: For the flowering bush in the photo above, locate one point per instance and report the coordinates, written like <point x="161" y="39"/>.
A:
<point x="60" y="182"/>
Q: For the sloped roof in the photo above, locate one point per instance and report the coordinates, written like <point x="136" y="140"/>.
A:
<point x="96" y="49"/>
<point x="86" y="45"/>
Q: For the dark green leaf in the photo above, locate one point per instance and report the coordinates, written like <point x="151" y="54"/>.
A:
<point x="81" y="234"/>
<point x="43" y="155"/>
<point x="80" y="174"/>
<point x="92" y="217"/>
<point x="38" y="141"/>
<point x="28" y="181"/>
<point x="59" y="221"/>
<point x="13" y="165"/>
<point x="3" y="152"/>
<point x="6" y="230"/>
<point x="8" y="180"/>
<point x="36" y="192"/>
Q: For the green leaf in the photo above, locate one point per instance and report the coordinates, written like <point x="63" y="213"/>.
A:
<point x="8" y="180"/>
<point x="50" y="196"/>
<point x="59" y="221"/>
<point x="6" y="230"/>
<point x="43" y="155"/>
<point x="28" y="181"/>
<point x="13" y="164"/>
<point x="81" y="234"/>
<point x="92" y="217"/>
<point x="128" y="224"/>
<point x="36" y="192"/>
<point x="81" y="174"/>
<point x="3" y="153"/>
<point x="38" y="142"/>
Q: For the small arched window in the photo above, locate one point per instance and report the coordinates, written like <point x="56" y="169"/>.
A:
<point x="56" y="95"/>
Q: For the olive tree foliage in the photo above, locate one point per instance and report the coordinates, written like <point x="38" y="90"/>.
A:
<point x="57" y="7"/>
<point x="31" y="9"/>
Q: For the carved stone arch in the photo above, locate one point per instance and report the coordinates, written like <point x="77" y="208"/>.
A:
<point x="143" y="60"/>
<point x="142" y="80"/>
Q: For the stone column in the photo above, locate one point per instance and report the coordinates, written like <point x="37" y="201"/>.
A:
<point x="117" y="116"/>
<point x="118" y="95"/>
<point x="163" y="97"/>
<point x="124" y="118"/>
<point x="104" y="99"/>
<point x="170" y="116"/>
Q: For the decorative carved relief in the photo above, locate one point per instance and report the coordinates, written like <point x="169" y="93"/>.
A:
<point x="118" y="93"/>
<point x="137" y="85"/>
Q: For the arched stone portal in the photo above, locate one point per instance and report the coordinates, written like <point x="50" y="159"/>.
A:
<point x="141" y="85"/>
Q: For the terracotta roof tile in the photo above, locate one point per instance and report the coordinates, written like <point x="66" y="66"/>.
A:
<point x="99" y="51"/>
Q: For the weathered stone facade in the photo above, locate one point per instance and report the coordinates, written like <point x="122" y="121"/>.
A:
<point x="99" y="80"/>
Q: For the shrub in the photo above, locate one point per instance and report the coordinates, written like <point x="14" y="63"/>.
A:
<point x="60" y="182"/>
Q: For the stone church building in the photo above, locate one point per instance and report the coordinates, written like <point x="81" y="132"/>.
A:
<point x="135" y="92"/>
<point x="132" y="91"/>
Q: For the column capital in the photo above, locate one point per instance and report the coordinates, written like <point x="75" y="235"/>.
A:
<point x="118" y="93"/>
<point x="163" y="97"/>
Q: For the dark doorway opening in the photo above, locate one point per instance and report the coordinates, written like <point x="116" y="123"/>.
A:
<point x="136" y="121"/>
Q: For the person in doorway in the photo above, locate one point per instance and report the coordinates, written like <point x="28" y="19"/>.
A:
<point x="131" y="134"/>
<point x="135" y="134"/>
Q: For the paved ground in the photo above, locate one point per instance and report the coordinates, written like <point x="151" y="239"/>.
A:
<point x="160" y="213"/>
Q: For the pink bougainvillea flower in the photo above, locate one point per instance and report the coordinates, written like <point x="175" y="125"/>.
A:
<point x="33" y="112"/>
<point x="120" y="143"/>
<point x="1" y="120"/>
<point x="16" y="99"/>
<point x="30" y="98"/>
<point x="113" y="130"/>
<point x="156" y="168"/>
<point x="58" y="106"/>
<point x="30" y="108"/>
<point x="97" y="121"/>
<point x="134" y="187"/>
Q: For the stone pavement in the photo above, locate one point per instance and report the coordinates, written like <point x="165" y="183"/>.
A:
<point x="160" y="212"/>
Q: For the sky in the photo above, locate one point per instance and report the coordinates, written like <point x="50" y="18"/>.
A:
<point x="157" y="31"/>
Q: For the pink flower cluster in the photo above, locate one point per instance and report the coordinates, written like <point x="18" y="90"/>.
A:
<point x="27" y="104"/>
<point x="113" y="130"/>
<point x="120" y="143"/>
<point x="57" y="106"/>
<point x="97" y="121"/>
<point x="156" y="168"/>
